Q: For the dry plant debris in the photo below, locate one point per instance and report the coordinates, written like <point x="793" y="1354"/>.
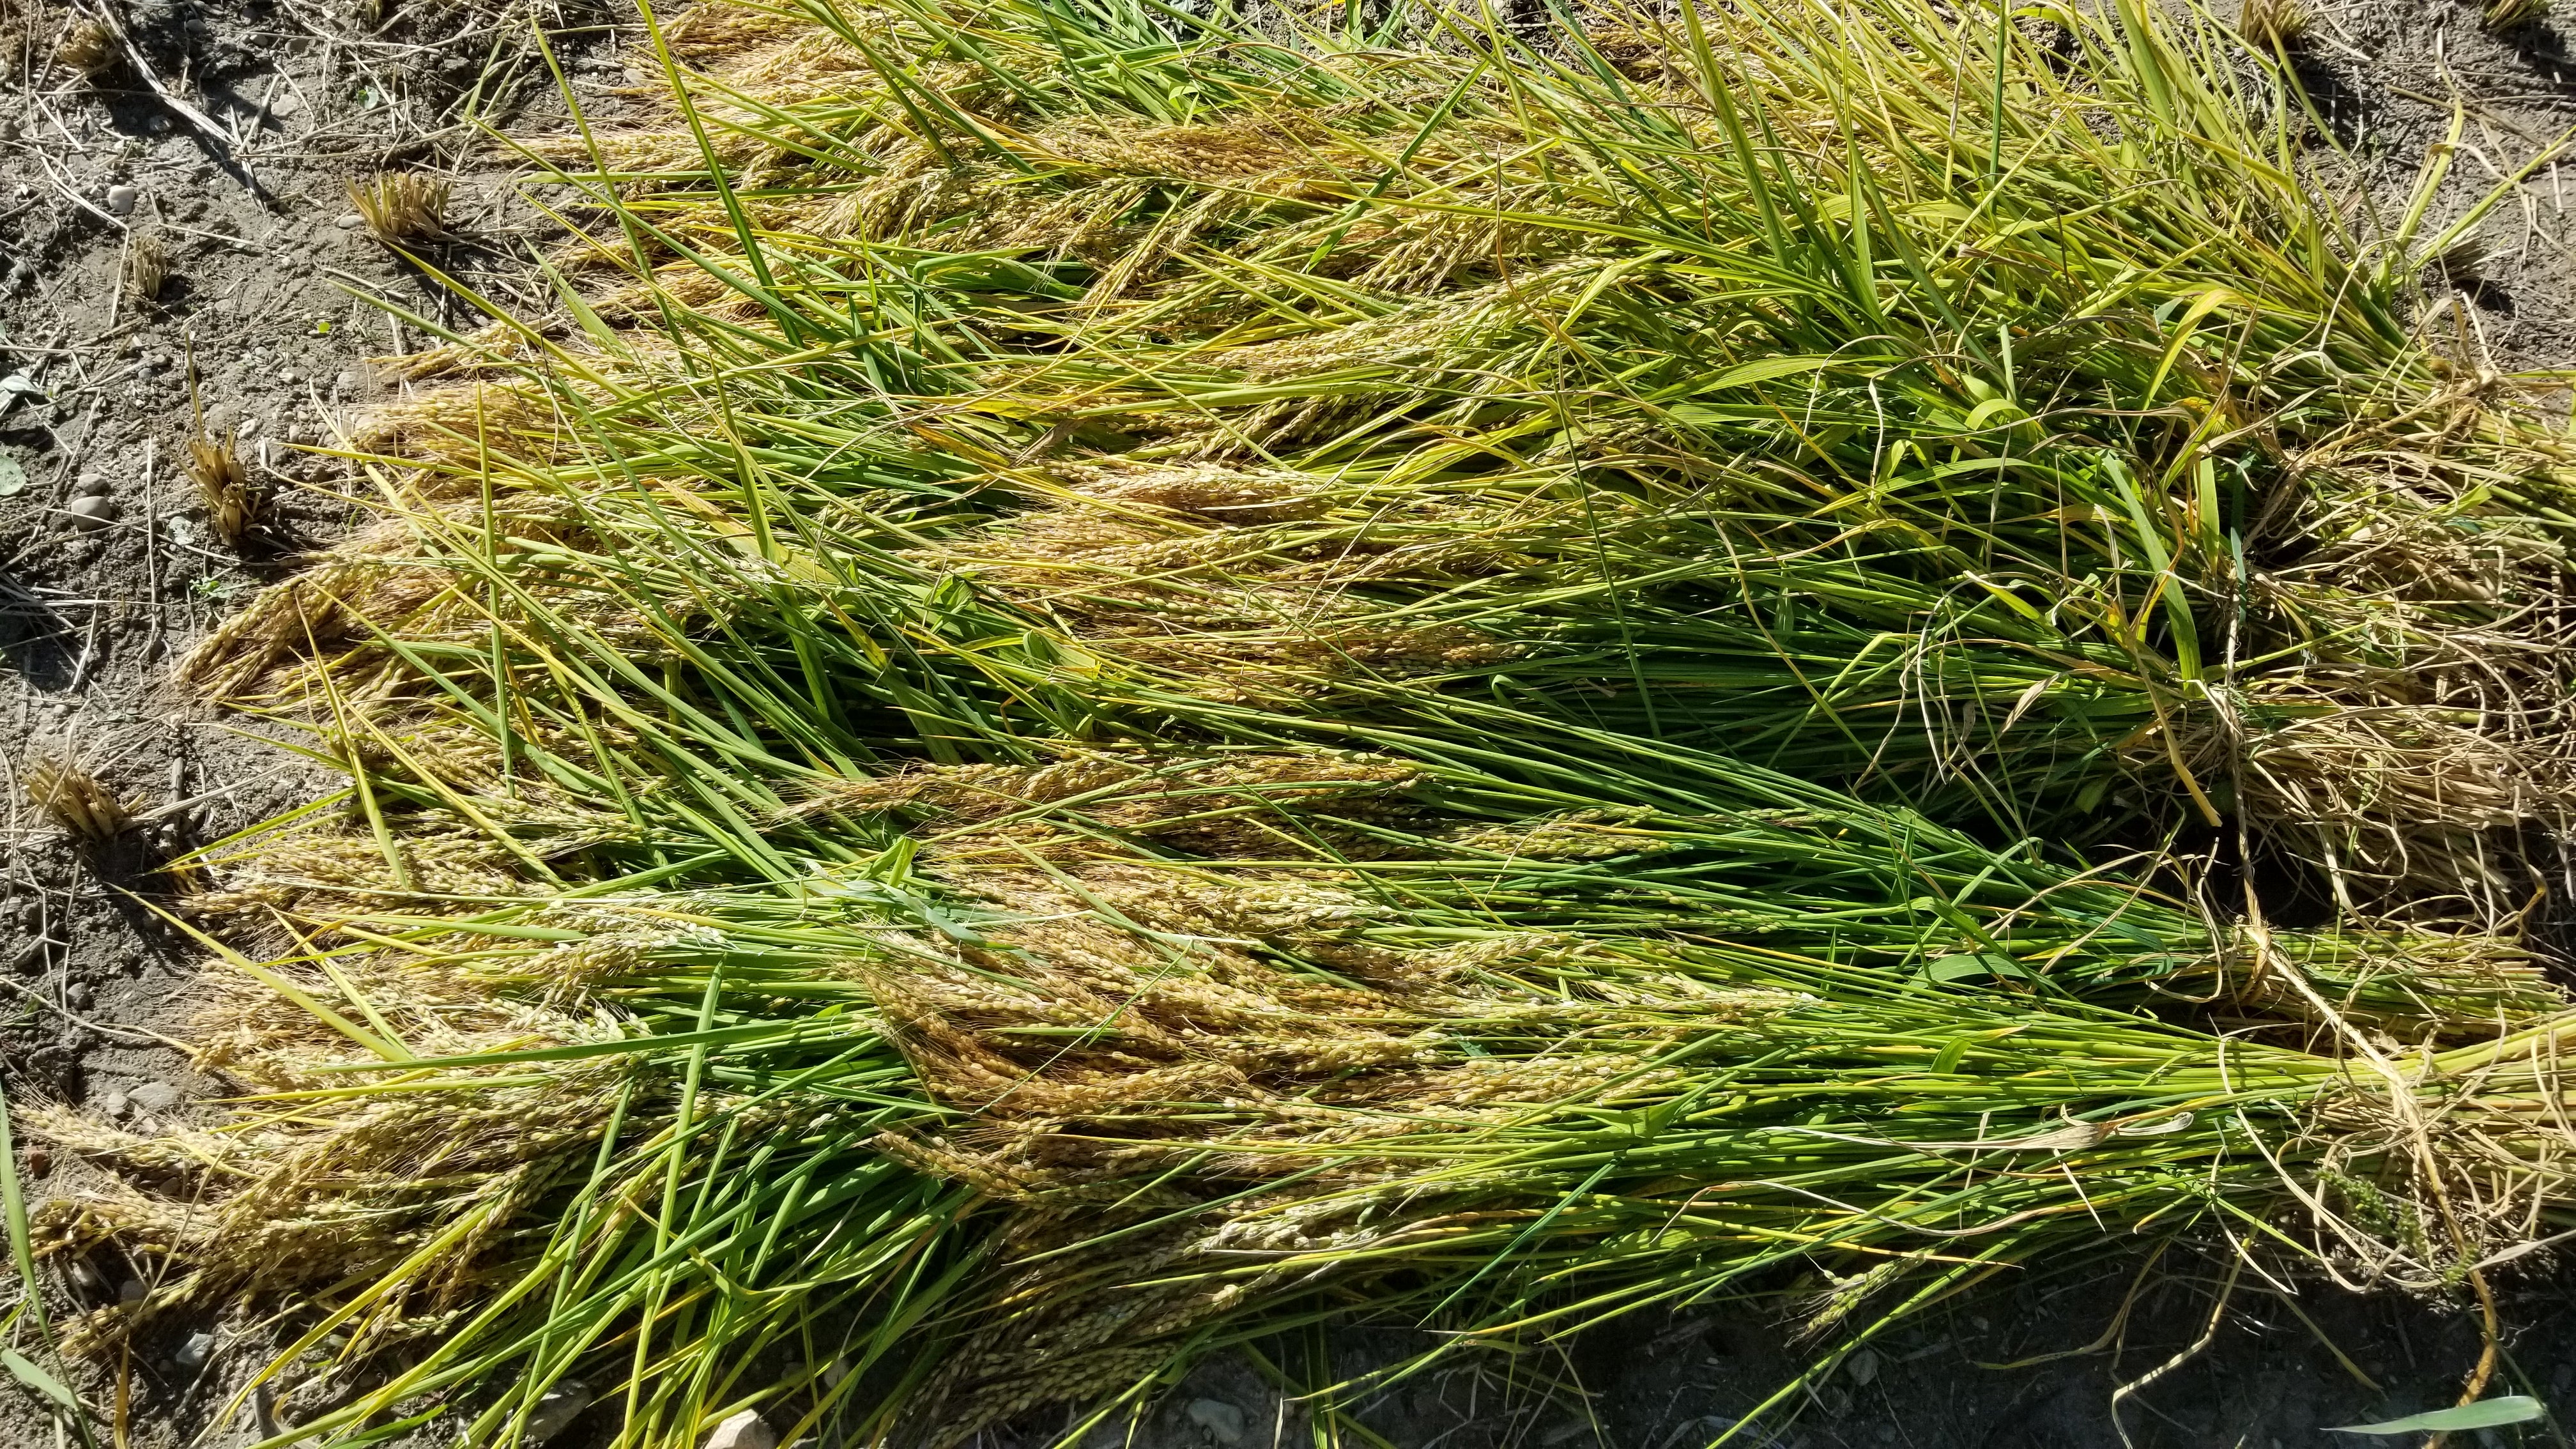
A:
<point x="1471" y="684"/>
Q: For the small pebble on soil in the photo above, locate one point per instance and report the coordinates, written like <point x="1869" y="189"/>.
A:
<point x="556" y="1408"/>
<point x="746" y="1430"/>
<point x="1222" y="1421"/>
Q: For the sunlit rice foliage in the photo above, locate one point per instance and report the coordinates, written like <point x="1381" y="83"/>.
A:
<point x="1123" y="681"/>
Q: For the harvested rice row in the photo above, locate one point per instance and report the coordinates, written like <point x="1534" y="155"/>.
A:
<point x="1125" y="681"/>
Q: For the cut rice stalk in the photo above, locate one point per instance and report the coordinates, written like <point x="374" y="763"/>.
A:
<point x="1141" y="678"/>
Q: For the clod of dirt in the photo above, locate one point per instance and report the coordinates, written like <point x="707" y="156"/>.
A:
<point x="1222" y="1421"/>
<point x="556" y="1408"/>
<point x="154" y="1096"/>
<point x="746" y="1430"/>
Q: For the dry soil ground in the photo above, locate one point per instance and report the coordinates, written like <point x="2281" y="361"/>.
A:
<point x="222" y="134"/>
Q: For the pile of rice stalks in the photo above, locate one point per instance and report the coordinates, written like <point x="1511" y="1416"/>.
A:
<point x="1120" y="682"/>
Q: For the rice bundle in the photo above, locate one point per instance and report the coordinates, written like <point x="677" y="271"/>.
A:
<point x="1125" y="680"/>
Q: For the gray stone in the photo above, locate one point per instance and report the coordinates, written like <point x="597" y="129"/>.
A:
<point x="131" y="1293"/>
<point x="348" y="221"/>
<point x="91" y="511"/>
<point x="112" y="1106"/>
<point x="89" y="483"/>
<point x="556" y="1408"/>
<point x="194" y="1353"/>
<point x="746" y="1430"/>
<point x="121" y="199"/>
<point x="1223" y="1422"/>
<point x="285" y="104"/>
<point x="154" y="1096"/>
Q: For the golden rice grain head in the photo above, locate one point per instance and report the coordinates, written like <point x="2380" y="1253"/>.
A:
<point x="402" y="208"/>
<point x="78" y="802"/>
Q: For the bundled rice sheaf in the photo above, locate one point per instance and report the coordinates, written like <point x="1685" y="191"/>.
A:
<point x="1119" y="682"/>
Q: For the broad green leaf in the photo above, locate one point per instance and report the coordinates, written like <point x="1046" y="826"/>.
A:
<point x="2484" y="1414"/>
<point x="41" y="1382"/>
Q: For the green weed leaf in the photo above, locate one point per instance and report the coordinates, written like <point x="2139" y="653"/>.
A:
<point x="2484" y="1414"/>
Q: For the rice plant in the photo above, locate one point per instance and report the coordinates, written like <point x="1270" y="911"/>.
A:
<point x="2358" y="642"/>
<point x="87" y="47"/>
<point x="1128" y="679"/>
<point x="2272" y="23"/>
<point x="78" y="803"/>
<point x="144" y="267"/>
<point x="402" y="208"/>
<point x="234" y="504"/>
<point x="2504" y="17"/>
